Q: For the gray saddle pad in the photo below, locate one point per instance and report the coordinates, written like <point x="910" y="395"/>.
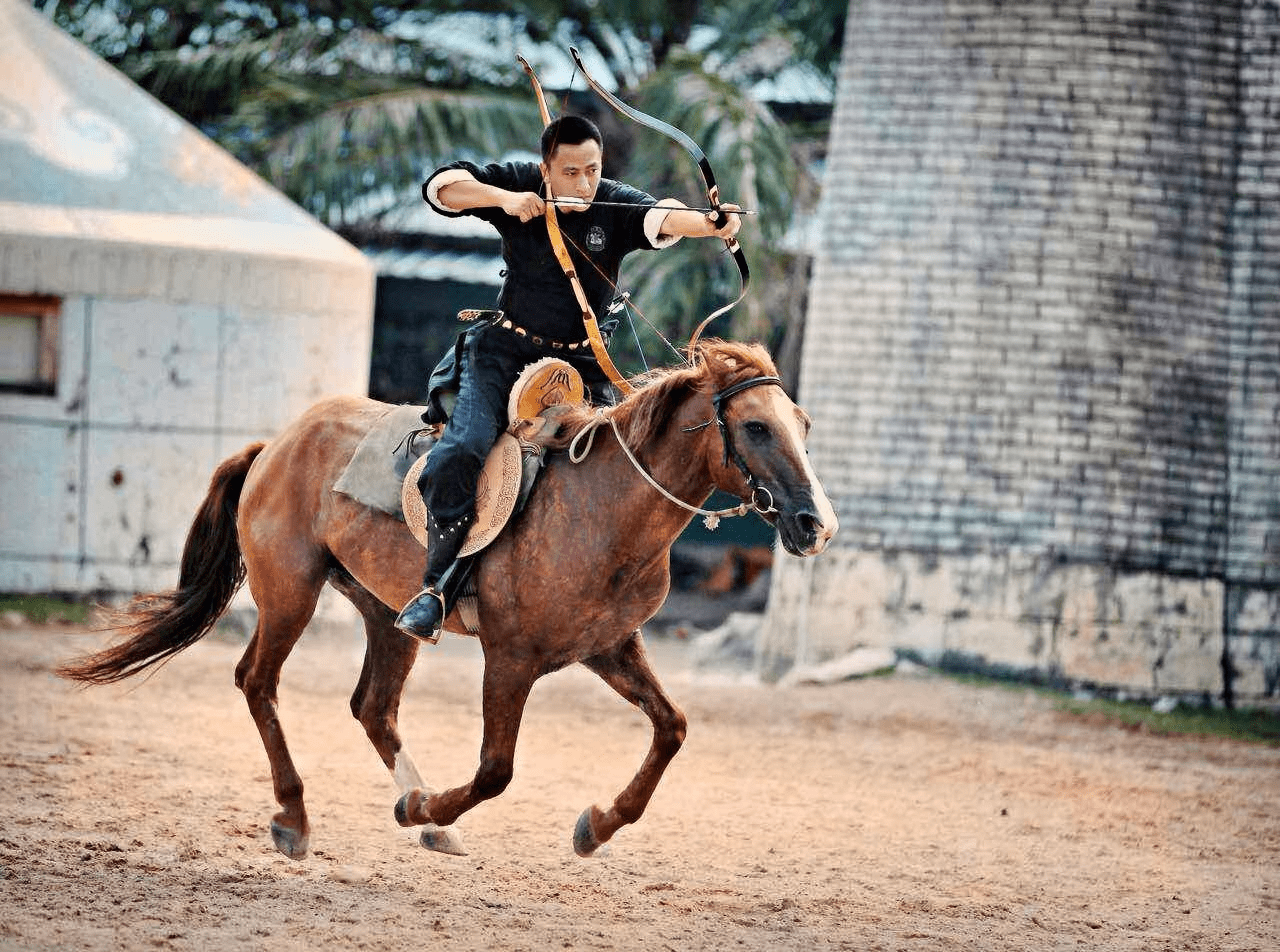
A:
<point x="377" y="468"/>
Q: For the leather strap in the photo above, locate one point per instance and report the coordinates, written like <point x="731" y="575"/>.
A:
<point x="561" y="251"/>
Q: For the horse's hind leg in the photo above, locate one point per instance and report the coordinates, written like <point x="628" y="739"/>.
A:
<point x="626" y="670"/>
<point x="285" y="605"/>
<point x="388" y="659"/>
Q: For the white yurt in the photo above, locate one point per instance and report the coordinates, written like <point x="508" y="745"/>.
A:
<point x="160" y="306"/>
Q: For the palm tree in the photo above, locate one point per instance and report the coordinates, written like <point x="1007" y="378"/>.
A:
<point x="346" y="106"/>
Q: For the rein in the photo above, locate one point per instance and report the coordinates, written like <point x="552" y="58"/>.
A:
<point x="711" y="517"/>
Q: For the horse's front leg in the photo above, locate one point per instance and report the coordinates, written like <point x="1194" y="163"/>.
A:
<point x="626" y="670"/>
<point x="376" y="701"/>
<point x="506" y="689"/>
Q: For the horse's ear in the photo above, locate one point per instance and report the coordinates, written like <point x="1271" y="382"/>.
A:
<point x="721" y="365"/>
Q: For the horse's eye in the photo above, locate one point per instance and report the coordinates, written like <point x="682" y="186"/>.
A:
<point x="756" y="430"/>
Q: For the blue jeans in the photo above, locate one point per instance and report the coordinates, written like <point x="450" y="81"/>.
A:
<point x="489" y="363"/>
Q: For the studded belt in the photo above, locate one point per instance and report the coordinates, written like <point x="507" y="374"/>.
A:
<point x="540" y="341"/>
<point x="495" y="319"/>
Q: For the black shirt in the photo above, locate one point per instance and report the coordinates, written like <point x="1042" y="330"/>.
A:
<point x="535" y="292"/>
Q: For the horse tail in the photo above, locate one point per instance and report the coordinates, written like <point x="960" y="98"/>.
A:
<point x="159" y="626"/>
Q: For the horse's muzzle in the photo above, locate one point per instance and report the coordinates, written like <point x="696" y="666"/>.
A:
<point x="804" y="532"/>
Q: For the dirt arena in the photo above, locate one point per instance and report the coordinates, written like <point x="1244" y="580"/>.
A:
<point x="905" y="812"/>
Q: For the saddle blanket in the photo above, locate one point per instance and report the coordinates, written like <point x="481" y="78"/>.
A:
<point x="377" y="468"/>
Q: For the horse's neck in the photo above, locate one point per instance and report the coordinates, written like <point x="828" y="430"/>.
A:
<point x="675" y="462"/>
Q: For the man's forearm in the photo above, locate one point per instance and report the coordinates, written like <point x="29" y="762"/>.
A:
<point x="463" y="195"/>
<point x="689" y="223"/>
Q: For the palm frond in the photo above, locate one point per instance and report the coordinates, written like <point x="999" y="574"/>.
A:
<point x="212" y="81"/>
<point x="755" y="158"/>
<point x="757" y="38"/>
<point x="390" y="142"/>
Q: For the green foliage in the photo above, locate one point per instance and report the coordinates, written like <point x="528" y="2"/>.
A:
<point x="338" y="102"/>
<point x="43" y="609"/>
<point x="769" y="34"/>
<point x="1252" y="725"/>
<point x="331" y="163"/>
<point x="1257" y="725"/>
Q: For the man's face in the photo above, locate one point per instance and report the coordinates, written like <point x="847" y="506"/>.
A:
<point x="574" y="170"/>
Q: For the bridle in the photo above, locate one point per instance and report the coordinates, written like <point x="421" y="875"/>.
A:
<point x="718" y="401"/>
<point x="760" y="499"/>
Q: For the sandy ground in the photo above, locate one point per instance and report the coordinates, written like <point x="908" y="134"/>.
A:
<point x="907" y="812"/>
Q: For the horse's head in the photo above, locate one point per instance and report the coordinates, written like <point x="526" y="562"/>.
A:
<point x="760" y="455"/>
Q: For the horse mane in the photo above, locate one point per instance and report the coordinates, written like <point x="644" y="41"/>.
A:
<point x="645" y="412"/>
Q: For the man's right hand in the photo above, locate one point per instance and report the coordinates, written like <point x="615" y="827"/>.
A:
<point x="524" y="205"/>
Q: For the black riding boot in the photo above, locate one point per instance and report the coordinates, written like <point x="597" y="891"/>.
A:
<point x="445" y="575"/>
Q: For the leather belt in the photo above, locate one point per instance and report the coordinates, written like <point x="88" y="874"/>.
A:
<point x="496" y="319"/>
<point x="539" y="341"/>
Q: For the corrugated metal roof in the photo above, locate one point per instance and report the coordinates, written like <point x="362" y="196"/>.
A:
<point x="795" y="85"/>
<point x="468" y="267"/>
<point x="416" y="217"/>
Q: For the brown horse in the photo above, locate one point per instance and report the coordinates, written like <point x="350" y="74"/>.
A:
<point x="571" y="579"/>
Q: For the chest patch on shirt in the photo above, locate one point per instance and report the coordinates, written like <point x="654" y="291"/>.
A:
<point x="596" y="238"/>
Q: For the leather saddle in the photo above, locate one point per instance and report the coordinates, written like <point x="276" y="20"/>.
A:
<point x="513" y="464"/>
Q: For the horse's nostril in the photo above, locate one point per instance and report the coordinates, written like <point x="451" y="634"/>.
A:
<point x="808" y="523"/>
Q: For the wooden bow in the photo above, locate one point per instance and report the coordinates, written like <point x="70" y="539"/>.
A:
<point x="704" y="167"/>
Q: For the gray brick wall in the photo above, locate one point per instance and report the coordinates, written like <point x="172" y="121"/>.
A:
<point x="1044" y="322"/>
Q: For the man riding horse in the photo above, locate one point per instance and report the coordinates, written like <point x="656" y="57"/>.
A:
<point x="546" y="308"/>
<point x="719" y="421"/>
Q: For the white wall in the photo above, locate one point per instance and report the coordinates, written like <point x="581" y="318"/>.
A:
<point x="102" y="479"/>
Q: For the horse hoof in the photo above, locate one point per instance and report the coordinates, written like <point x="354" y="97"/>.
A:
<point x="411" y="809"/>
<point x="584" y="838"/>
<point x="290" y="842"/>
<point x="442" y="839"/>
<point x="402" y="811"/>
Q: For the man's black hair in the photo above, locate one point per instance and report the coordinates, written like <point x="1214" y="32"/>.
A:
<point x="569" y="130"/>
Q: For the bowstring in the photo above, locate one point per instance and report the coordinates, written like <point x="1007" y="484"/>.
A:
<point x="619" y="295"/>
<point x="625" y="302"/>
<point x="628" y="305"/>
